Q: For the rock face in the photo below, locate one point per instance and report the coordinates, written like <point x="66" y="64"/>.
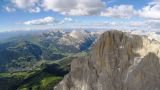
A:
<point x="118" y="61"/>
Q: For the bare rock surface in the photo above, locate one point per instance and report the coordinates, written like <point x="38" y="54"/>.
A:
<point x="118" y="61"/>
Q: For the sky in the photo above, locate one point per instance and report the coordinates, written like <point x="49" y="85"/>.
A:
<point x="100" y="14"/>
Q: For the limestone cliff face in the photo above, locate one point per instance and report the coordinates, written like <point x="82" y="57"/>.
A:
<point x="118" y="61"/>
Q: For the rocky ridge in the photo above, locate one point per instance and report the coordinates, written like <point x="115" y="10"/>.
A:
<point x="77" y="40"/>
<point x="118" y="61"/>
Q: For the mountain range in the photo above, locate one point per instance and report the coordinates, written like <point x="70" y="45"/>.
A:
<point x="118" y="61"/>
<point x="24" y="51"/>
<point x="80" y="60"/>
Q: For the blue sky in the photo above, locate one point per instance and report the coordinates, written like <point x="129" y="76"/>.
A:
<point x="43" y="14"/>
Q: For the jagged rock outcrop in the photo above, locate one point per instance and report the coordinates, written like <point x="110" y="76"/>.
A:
<point x="118" y="61"/>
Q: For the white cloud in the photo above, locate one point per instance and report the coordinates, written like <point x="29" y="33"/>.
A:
<point x="28" y="5"/>
<point x="66" y="20"/>
<point x="136" y="24"/>
<point x="48" y="21"/>
<point x="151" y="11"/>
<point x="153" y="24"/>
<point x="42" y="21"/>
<point x="25" y="3"/>
<point x="127" y="25"/>
<point x="9" y="9"/>
<point x="121" y="11"/>
<point x="35" y="10"/>
<point x="74" y="7"/>
<point x="86" y="7"/>
<point x="106" y="24"/>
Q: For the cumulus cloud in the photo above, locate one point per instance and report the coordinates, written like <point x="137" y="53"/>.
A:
<point x="128" y="25"/>
<point x="66" y="7"/>
<point x="24" y="3"/>
<point x="35" y="10"/>
<point x="66" y="20"/>
<point x="74" y="7"/>
<point x="107" y="24"/>
<point x="42" y="21"/>
<point x="148" y="24"/>
<point x="29" y="5"/>
<point x="137" y="24"/>
<point x="122" y="11"/>
<point x="153" y="24"/>
<point x="86" y="7"/>
<point x="151" y="11"/>
<point x="48" y="21"/>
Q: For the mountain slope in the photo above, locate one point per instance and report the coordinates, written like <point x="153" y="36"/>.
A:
<point x="18" y="55"/>
<point x="25" y="52"/>
<point x="45" y="78"/>
<point x="118" y="61"/>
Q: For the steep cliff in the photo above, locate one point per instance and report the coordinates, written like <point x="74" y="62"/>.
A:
<point x="118" y="61"/>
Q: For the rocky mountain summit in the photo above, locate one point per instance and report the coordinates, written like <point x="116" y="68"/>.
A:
<point x="118" y="61"/>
